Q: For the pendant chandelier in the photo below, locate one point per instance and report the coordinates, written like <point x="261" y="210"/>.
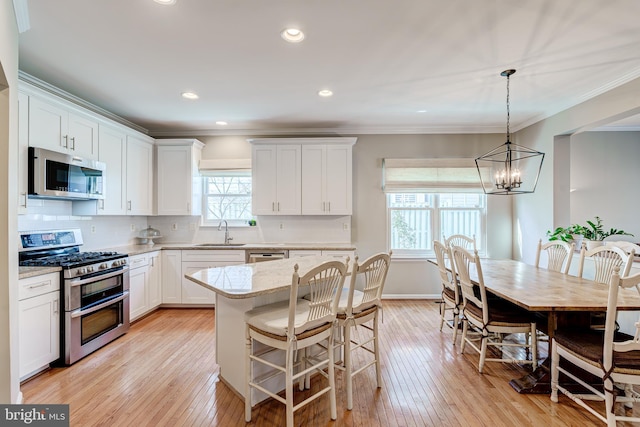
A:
<point x="509" y="168"/>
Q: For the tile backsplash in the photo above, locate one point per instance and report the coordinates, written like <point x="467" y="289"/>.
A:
<point x="101" y="232"/>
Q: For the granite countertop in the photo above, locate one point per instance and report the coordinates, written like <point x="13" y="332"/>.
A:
<point x="132" y="250"/>
<point x="251" y="280"/>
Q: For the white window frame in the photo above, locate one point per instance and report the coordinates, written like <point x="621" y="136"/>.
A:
<point x="232" y="222"/>
<point x="436" y="226"/>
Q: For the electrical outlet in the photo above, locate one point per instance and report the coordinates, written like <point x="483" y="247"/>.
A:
<point x="174" y="226"/>
<point x="281" y="226"/>
<point x="133" y="227"/>
<point x="93" y="229"/>
<point x="345" y="226"/>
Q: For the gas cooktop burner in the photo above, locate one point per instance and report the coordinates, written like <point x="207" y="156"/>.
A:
<point x="71" y="260"/>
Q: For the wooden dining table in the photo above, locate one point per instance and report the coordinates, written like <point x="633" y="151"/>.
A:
<point x="564" y="300"/>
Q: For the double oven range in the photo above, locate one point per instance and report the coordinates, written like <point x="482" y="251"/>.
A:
<point x="94" y="287"/>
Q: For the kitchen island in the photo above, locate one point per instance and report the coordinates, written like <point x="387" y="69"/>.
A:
<point x="240" y="288"/>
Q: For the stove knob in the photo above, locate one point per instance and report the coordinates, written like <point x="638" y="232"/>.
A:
<point x="116" y="263"/>
<point x="123" y="261"/>
<point x="90" y="269"/>
<point x="103" y="266"/>
<point x="82" y="270"/>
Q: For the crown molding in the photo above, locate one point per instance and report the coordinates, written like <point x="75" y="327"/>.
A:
<point x="53" y="90"/>
<point x="21" y="10"/>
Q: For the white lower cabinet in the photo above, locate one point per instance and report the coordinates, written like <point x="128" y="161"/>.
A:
<point x="176" y="289"/>
<point x="144" y="283"/>
<point x="38" y="322"/>
<point x="333" y="253"/>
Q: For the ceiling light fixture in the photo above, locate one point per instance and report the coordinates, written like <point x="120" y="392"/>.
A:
<point x="509" y="168"/>
<point x="292" y="35"/>
<point x="166" y="2"/>
<point x="190" y="95"/>
<point x="325" y="93"/>
<point x="221" y="123"/>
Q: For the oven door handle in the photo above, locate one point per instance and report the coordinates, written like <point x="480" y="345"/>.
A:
<point x="81" y="312"/>
<point x="78" y="282"/>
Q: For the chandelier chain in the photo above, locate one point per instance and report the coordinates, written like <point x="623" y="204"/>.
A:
<point x="508" y="114"/>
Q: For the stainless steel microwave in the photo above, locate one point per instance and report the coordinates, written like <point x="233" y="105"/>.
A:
<point x="54" y="175"/>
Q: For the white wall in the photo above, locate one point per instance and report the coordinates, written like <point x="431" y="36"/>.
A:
<point x="9" y="377"/>
<point x="534" y="214"/>
<point x="604" y="174"/>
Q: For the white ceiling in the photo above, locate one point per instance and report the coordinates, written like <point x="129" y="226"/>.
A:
<point x="385" y="60"/>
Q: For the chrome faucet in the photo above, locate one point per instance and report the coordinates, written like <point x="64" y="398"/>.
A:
<point x="227" y="239"/>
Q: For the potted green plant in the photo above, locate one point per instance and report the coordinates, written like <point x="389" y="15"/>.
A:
<point x="594" y="233"/>
<point x="572" y="233"/>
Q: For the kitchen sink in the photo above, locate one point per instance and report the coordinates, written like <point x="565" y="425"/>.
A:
<point x="220" y="245"/>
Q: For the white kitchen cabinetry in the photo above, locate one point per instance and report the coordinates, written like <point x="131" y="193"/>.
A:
<point x="326" y="179"/>
<point x="129" y="181"/>
<point x="38" y="322"/>
<point x="179" y="187"/>
<point x="176" y="290"/>
<point x="193" y="261"/>
<point x="302" y="176"/>
<point x="113" y="152"/>
<point x="334" y="253"/>
<point x="58" y="127"/>
<point x="171" y="277"/>
<point x="275" y="179"/>
<point x="139" y="172"/>
<point x="23" y="151"/>
<point x="144" y="283"/>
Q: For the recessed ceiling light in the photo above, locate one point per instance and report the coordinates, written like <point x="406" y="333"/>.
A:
<point x="190" y="95"/>
<point x="421" y="111"/>
<point x="221" y="123"/>
<point x="166" y="2"/>
<point x="325" y="93"/>
<point x="292" y="35"/>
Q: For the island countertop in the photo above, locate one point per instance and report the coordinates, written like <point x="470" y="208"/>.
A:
<point x="251" y="280"/>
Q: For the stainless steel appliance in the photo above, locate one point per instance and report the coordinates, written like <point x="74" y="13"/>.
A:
<point x="95" y="289"/>
<point x="55" y="175"/>
<point x="265" y="255"/>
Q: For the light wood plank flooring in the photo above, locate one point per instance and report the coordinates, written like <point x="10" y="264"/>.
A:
<point x="163" y="373"/>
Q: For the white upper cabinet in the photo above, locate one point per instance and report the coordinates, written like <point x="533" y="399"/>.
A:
<point x="128" y="177"/>
<point x="308" y="176"/>
<point x="275" y="179"/>
<point x="179" y="188"/>
<point x="326" y="179"/>
<point x="113" y="152"/>
<point x="139" y="173"/>
<point x="54" y="126"/>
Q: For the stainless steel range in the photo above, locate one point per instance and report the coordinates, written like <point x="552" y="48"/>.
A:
<point x="95" y="289"/>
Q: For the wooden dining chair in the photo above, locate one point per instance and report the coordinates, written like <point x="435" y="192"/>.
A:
<point x="625" y="246"/>
<point x="451" y="299"/>
<point x="491" y="318"/>
<point x="559" y="255"/>
<point x="361" y="309"/>
<point x="291" y="326"/>
<point x="612" y="356"/>
<point x="606" y="259"/>
<point x="469" y="243"/>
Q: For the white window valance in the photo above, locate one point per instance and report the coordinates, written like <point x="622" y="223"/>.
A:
<point x="430" y="175"/>
<point x="224" y="167"/>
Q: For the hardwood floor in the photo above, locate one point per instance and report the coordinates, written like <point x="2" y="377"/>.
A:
<point x="163" y="373"/>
